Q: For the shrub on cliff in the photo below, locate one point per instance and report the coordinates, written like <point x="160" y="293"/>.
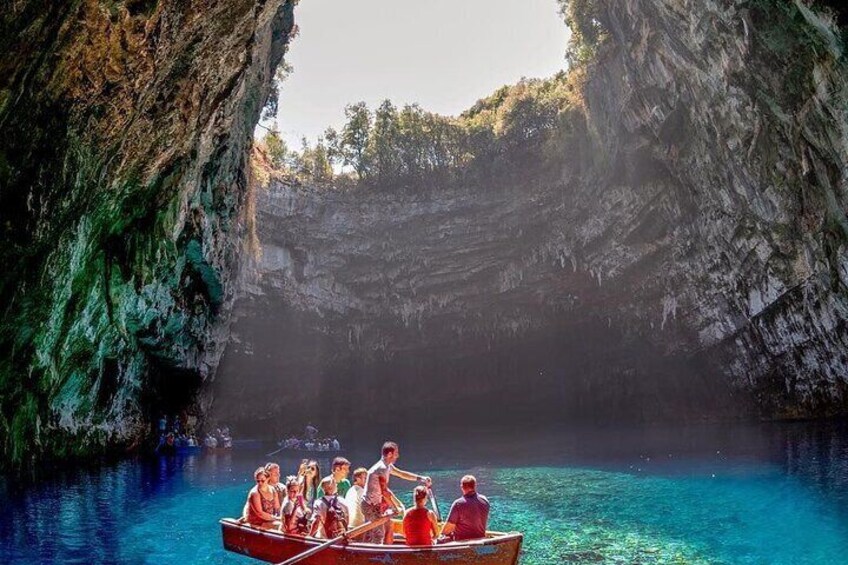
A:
<point x="588" y="25"/>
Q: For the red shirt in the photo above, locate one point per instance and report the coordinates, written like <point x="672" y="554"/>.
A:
<point x="417" y="527"/>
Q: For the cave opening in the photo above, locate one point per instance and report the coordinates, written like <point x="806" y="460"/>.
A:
<point x="476" y="274"/>
<point x="501" y="43"/>
<point x="172" y="391"/>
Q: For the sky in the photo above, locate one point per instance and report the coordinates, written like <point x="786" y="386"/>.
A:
<point x="443" y="54"/>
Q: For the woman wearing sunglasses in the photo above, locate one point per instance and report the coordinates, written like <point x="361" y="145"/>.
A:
<point x="263" y="504"/>
<point x="310" y="481"/>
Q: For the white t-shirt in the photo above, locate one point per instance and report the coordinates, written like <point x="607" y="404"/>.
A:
<point x="353" y="499"/>
<point x="373" y="492"/>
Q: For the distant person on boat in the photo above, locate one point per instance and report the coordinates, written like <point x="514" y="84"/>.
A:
<point x="311" y="432"/>
<point x="295" y="512"/>
<point x="273" y="471"/>
<point x="336" y="445"/>
<point x="353" y="498"/>
<point x="263" y="507"/>
<point x="340" y="470"/>
<point x="469" y="514"/>
<point x="330" y="516"/>
<point x="419" y="524"/>
<point x="163" y="425"/>
<point x="168" y="446"/>
<point x="226" y="438"/>
<point x="378" y="498"/>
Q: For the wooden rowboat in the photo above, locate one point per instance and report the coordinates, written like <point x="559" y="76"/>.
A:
<point x="273" y="547"/>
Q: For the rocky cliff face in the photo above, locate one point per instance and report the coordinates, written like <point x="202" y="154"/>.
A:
<point x="124" y="132"/>
<point x="685" y="258"/>
<point x="684" y="255"/>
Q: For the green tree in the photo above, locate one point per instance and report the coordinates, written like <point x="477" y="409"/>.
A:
<point x="411" y="141"/>
<point x="383" y="148"/>
<point x="353" y="141"/>
<point x="334" y="149"/>
<point x="277" y="150"/>
<point x="313" y="163"/>
<point x="588" y="26"/>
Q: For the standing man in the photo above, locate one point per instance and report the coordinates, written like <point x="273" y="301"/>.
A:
<point x="469" y="514"/>
<point x="340" y="471"/>
<point x="311" y="432"/>
<point x="378" y="498"/>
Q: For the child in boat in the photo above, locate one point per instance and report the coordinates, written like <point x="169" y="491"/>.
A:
<point x="353" y="498"/>
<point x="263" y="506"/>
<point x="330" y="515"/>
<point x="341" y="469"/>
<point x="419" y="524"/>
<point x="295" y="512"/>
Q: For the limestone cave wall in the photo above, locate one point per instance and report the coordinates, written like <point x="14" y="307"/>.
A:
<point x="684" y="258"/>
<point x="125" y="128"/>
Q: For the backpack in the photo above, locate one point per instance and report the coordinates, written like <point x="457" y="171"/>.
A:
<point x="335" y="524"/>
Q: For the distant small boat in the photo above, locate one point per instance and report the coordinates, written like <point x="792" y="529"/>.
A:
<point x="311" y="450"/>
<point x="307" y="445"/>
<point x="273" y="547"/>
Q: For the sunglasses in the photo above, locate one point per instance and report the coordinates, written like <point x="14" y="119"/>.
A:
<point x="311" y="469"/>
<point x="261" y="480"/>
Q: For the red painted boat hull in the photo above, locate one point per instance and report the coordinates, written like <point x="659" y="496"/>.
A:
<point x="274" y="547"/>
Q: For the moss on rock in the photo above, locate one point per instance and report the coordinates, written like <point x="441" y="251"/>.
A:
<point x="116" y="117"/>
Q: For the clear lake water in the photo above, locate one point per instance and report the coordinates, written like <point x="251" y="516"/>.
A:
<point x="730" y="494"/>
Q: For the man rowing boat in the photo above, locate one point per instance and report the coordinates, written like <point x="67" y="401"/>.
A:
<point x="378" y="498"/>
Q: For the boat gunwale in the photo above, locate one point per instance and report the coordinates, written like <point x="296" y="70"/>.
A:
<point x="359" y="547"/>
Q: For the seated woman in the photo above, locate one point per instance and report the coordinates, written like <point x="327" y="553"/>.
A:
<point x="295" y="513"/>
<point x="263" y="506"/>
<point x="419" y="524"/>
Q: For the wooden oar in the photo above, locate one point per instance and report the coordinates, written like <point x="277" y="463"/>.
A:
<point x="357" y="531"/>
<point x="435" y="505"/>
<point x="273" y="452"/>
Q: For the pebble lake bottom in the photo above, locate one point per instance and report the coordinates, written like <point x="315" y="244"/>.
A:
<point x="730" y="494"/>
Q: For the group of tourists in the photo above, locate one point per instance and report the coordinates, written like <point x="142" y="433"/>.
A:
<point x="307" y="505"/>
<point x="326" y="444"/>
<point x="219" y="438"/>
<point x="177" y="432"/>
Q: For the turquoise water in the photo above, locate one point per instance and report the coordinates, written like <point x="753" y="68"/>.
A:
<point x="763" y="495"/>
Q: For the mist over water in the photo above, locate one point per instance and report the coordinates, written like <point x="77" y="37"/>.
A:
<point x="771" y="493"/>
